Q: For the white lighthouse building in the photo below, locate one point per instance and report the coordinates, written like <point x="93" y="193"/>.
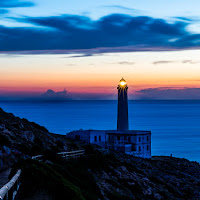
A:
<point x="122" y="140"/>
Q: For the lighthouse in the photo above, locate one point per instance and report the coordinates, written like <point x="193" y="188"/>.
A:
<point x="122" y="116"/>
<point x="122" y="140"/>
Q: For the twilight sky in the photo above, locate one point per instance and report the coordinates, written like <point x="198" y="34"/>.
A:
<point x="81" y="49"/>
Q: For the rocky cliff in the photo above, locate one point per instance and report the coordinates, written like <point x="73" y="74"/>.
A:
<point x="156" y="178"/>
<point x="22" y="138"/>
<point x="95" y="175"/>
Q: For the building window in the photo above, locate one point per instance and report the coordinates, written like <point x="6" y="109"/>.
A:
<point x="139" y="148"/>
<point x="129" y="138"/>
<point x="139" y="139"/>
<point x="95" y="138"/>
<point x="99" y="138"/>
<point x="147" y="138"/>
<point x="147" y="147"/>
<point x="118" y="137"/>
<point x="133" y="147"/>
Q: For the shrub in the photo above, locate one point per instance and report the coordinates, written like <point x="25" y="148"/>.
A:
<point x="4" y="140"/>
<point x="37" y="176"/>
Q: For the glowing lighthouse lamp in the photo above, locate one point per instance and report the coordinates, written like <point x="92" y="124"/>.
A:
<point x="122" y="83"/>
<point x="122" y="116"/>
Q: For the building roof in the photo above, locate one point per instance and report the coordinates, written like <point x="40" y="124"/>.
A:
<point x="128" y="132"/>
<point x="115" y="132"/>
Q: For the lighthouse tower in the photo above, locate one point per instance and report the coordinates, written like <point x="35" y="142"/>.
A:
<point x="122" y="117"/>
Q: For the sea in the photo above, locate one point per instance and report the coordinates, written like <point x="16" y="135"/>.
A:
<point x="175" y="124"/>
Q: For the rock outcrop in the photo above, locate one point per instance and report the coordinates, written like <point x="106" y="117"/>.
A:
<point x="156" y="178"/>
<point x="21" y="138"/>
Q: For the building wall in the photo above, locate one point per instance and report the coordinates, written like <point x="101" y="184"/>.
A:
<point x="98" y="137"/>
<point x="137" y="144"/>
<point x="143" y="145"/>
<point x="80" y="135"/>
<point x="140" y="144"/>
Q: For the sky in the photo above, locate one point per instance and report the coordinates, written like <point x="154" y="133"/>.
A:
<point x="81" y="49"/>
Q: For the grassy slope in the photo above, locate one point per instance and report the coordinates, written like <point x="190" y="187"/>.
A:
<point x="109" y="176"/>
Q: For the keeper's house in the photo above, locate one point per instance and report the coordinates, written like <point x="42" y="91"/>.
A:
<point x="132" y="142"/>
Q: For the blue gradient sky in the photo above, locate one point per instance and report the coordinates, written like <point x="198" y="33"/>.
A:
<point x="87" y="46"/>
<point x="96" y="9"/>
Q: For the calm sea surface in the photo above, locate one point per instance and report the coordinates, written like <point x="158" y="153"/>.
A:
<point x="175" y="125"/>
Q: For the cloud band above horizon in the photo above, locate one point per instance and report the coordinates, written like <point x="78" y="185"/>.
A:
<point x="143" y="94"/>
<point x="80" y="34"/>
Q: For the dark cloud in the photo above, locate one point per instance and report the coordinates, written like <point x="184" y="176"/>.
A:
<point x="190" y="61"/>
<point x="51" y="95"/>
<point x="122" y="8"/>
<point x="184" y="19"/>
<point x="190" y="19"/>
<point x="15" y="3"/>
<point x="126" y="63"/>
<point x="169" y="93"/>
<point x="112" y="33"/>
<point x="82" y="55"/>
<point x="162" y="62"/>
<point x="168" y="61"/>
<point x="190" y="41"/>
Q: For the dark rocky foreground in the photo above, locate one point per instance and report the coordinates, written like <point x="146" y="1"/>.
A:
<point x="158" y="178"/>
<point x="21" y="138"/>
<point x="95" y="175"/>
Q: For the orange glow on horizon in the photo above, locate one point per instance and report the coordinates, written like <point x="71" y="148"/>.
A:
<point x="98" y="74"/>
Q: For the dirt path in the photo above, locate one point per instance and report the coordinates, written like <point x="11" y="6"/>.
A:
<point x="4" y="177"/>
